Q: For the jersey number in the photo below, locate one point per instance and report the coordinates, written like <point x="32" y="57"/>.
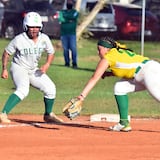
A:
<point x="131" y="54"/>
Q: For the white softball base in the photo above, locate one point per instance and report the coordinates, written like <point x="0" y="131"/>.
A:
<point x="106" y="117"/>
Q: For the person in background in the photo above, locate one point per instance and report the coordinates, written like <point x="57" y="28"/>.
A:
<point x="137" y="73"/>
<point x="27" y="49"/>
<point x="68" y="19"/>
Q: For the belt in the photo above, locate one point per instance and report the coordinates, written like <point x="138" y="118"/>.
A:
<point x="139" y="67"/>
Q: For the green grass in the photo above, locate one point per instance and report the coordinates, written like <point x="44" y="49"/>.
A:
<point x="70" y="82"/>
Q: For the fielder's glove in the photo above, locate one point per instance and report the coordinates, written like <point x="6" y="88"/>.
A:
<point x="73" y="108"/>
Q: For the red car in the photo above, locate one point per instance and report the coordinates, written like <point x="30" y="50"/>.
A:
<point x="128" y="19"/>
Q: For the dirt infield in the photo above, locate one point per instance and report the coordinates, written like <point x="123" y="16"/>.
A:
<point x="29" y="138"/>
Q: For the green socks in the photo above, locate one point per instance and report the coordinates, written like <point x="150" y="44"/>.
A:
<point x="48" y="105"/>
<point x="122" y="103"/>
<point x="11" y="102"/>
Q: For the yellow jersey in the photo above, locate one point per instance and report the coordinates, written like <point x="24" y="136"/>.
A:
<point x="123" y="63"/>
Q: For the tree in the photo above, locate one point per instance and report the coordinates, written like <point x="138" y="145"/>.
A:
<point x="78" y="5"/>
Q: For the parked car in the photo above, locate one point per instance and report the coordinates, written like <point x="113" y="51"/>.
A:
<point x="15" y="10"/>
<point x="128" y="19"/>
<point x="152" y="5"/>
<point x="1" y="15"/>
<point x="104" y="20"/>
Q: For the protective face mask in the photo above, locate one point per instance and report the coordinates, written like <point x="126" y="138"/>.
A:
<point x="69" y="6"/>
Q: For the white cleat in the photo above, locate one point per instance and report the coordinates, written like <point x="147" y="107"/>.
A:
<point x="119" y="127"/>
<point x="4" y="118"/>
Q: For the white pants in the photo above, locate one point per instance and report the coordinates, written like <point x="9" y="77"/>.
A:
<point x="148" y="78"/>
<point x="23" y="78"/>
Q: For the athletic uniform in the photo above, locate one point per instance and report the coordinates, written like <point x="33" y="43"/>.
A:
<point x="26" y="49"/>
<point x="25" y="64"/>
<point x="136" y="72"/>
<point x="123" y="63"/>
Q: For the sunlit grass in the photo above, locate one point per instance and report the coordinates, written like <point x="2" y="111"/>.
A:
<point x="70" y="82"/>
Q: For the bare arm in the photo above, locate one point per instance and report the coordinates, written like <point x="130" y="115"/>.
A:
<point x="5" y="59"/>
<point x="49" y="60"/>
<point x="101" y="68"/>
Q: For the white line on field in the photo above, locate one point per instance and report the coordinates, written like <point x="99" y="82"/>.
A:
<point x="18" y="125"/>
<point x="69" y="122"/>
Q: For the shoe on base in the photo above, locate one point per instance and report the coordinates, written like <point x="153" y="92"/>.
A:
<point x="52" y="118"/>
<point x="4" y="118"/>
<point x="119" y="127"/>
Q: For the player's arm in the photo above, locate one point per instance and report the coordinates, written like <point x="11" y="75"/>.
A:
<point x="49" y="60"/>
<point x="5" y="59"/>
<point x="101" y="68"/>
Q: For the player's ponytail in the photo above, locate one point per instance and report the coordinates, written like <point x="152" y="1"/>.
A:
<point x="122" y="46"/>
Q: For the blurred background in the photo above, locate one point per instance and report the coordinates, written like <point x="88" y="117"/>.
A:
<point x="119" y="18"/>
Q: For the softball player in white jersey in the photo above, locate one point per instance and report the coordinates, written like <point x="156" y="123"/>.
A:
<point x="27" y="49"/>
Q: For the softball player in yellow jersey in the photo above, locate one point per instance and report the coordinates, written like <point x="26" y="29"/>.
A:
<point x="137" y="73"/>
<point x="27" y="49"/>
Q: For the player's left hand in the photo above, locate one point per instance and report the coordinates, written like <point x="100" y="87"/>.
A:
<point x="73" y="108"/>
<point x="44" y="68"/>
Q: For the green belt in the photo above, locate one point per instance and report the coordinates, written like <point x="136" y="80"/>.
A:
<point x="139" y="67"/>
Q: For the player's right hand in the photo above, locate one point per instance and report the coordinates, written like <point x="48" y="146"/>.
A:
<point x="4" y="74"/>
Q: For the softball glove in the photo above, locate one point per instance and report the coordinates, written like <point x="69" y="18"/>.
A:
<point x="73" y="108"/>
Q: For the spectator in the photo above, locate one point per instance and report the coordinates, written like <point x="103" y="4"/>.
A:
<point x="68" y="19"/>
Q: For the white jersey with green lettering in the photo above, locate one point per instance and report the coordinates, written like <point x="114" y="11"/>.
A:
<point x="24" y="68"/>
<point x="26" y="53"/>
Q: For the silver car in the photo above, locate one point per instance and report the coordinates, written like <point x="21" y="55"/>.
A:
<point x="104" y="20"/>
